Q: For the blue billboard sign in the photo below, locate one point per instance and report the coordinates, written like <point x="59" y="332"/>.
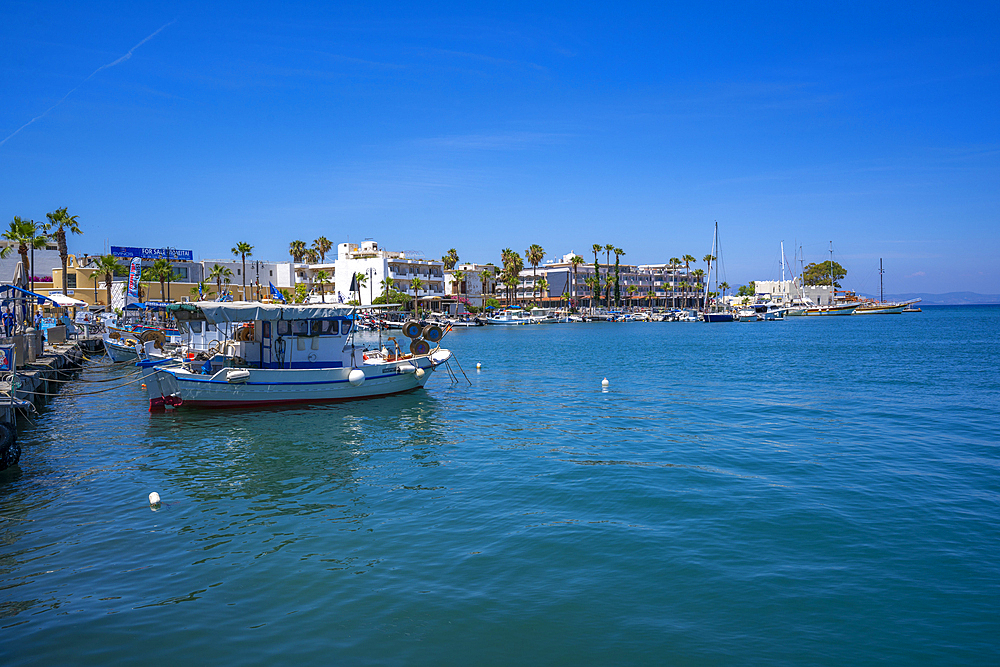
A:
<point x="153" y="253"/>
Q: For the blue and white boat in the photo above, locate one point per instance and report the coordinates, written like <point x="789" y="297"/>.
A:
<point x="276" y="354"/>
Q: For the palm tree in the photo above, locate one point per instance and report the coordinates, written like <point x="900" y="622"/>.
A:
<point x="322" y="277"/>
<point x="594" y="284"/>
<point x="415" y="285"/>
<point x="632" y="289"/>
<point x="650" y="295"/>
<point x="684" y="285"/>
<point x="161" y="272"/>
<point x="575" y="262"/>
<point x="322" y="245"/>
<point x="512" y="266"/>
<point x="687" y="259"/>
<point x="723" y="286"/>
<point x="106" y="267"/>
<point x="619" y="253"/>
<point x="200" y="289"/>
<point x="596" y="294"/>
<point x="26" y="234"/>
<point x="699" y="275"/>
<point x="542" y="286"/>
<point x="386" y="284"/>
<point x="297" y="249"/>
<point x="608" y="248"/>
<point x="243" y="250"/>
<point x="360" y="280"/>
<point x="450" y="259"/>
<point x="62" y="221"/>
<point x="219" y="273"/>
<point x="534" y="254"/>
<point x="456" y="278"/>
<point x="311" y="256"/>
<point x="675" y="263"/>
<point x="485" y="276"/>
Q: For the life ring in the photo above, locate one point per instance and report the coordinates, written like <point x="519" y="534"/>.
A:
<point x="419" y="347"/>
<point x="433" y="333"/>
<point x="412" y="329"/>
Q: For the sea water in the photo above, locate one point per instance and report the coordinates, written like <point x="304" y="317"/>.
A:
<point x="815" y="491"/>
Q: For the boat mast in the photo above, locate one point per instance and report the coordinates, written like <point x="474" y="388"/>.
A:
<point x="708" y="278"/>
<point x="832" y="299"/>
<point x="782" y="266"/>
<point x="881" y="295"/>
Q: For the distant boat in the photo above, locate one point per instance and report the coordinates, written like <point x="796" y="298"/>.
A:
<point x="911" y="309"/>
<point x="511" y="316"/>
<point x="882" y="307"/>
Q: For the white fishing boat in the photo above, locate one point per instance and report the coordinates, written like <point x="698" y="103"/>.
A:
<point x="511" y="316"/>
<point x="288" y="354"/>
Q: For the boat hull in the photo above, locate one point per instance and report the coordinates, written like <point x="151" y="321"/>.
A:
<point x="719" y="317"/>
<point x="886" y="310"/>
<point x="179" y="387"/>
<point x="822" y="311"/>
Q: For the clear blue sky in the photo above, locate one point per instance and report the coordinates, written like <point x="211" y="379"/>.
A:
<point x="871" y="125"/>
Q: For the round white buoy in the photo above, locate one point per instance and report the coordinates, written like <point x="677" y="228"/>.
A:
<point x="478" y="365"/>
<point x="154" y="498"/>
<point x="419" y="373"/>
<point x="605" y="383"/>
<point x="356" y="377"/>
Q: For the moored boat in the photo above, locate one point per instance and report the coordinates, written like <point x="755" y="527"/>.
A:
<point x="289" y="354"/>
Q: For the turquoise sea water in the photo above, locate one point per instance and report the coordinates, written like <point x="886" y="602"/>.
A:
<point x="816" y="491"/>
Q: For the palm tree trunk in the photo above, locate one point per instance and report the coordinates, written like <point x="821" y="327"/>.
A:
<point x="244" y="258"/>
<point x="63" y="255"/>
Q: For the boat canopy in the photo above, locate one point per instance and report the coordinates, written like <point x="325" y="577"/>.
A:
<point x="219" y="312"/>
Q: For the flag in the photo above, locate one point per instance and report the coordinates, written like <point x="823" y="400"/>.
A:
<point x="133" y="277"/>
<point x="199" y="291"/>
<point x="354" y="284"/>
<point x="276" y="294"/>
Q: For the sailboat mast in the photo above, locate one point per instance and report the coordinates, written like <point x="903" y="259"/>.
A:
<point x="782" y="265"/>
<point x="708" y="279"/>
<point x="881" y="294"/>
<point x="832" y="299"/>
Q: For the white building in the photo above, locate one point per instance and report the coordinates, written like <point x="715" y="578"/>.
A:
<point x="787" y="291"/>
<point x="422" y="279"/>
<point x="669" y="285"/>
<point x="472" y="288"/>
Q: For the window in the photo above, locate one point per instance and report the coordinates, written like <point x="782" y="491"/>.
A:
<point x="345" y="327"/>
<point x="331" y="328"/>
<point x="70" y="280"/>
<point x="284" y="327"/>
<point x="300" y="327"/>
<point x="315" y="327"/>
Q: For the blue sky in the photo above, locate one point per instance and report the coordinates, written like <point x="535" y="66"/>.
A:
<point x="871" y="125"/>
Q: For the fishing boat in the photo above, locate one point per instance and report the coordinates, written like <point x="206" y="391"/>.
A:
<point x="279" y="354"/>
<point x="911" y="309"/>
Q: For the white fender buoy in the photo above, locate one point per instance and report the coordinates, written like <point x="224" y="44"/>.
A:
<point x="605" y="383"/>
<point x="154" y="498"/>
<point x="406" y="368"/>
<point x="356" y="377"/>
<point x="419" y="373"/>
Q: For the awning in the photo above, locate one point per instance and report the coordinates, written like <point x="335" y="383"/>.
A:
<point x="14" y="288"/>
<point x="244" y="311"/>
<point x="65" y="301"/>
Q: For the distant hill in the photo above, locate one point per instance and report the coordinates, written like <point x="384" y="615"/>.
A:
<point x="947" y="299"/>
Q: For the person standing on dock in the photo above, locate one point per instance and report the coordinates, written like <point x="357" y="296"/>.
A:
<point x="8" y="322"/>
